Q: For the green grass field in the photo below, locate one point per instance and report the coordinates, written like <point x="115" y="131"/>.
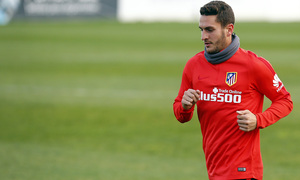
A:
<point x="93" y="100"/>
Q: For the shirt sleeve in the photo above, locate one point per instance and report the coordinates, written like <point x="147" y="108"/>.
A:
<point x="181" y="114"/>
<point x="268" y="83"/>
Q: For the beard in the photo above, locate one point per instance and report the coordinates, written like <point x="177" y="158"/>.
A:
<point x="218" y="45"/>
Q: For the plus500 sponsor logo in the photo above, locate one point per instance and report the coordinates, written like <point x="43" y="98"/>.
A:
<point x="222" y="96"/>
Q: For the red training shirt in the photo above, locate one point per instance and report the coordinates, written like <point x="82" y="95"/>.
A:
<point x="239" y="83"/>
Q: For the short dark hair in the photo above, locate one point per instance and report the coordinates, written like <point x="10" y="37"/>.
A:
<point x="223" y="11"/>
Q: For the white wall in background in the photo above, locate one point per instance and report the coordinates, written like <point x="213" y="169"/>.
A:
<point x="188" y="10"/>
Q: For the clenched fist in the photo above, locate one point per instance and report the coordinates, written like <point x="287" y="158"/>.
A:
<point x="246" y="120"/>
<point x="189" y="98"/>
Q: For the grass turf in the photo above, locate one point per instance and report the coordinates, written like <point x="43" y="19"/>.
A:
<point x="93" y="100"/>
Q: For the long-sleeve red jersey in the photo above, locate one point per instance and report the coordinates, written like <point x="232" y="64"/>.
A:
<point x="239" y="83"/>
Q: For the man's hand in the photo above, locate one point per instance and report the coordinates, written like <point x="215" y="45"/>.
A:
<point x="246" y="120"/>
<point x="189" y="98"/>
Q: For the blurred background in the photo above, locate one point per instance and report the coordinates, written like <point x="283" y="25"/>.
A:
<point x="144" y="11"/>
<point x="87" y="87"/>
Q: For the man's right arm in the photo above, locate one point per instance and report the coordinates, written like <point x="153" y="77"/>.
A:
<point x="184" y="103"/>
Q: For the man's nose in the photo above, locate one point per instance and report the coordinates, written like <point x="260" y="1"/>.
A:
<point x="204" y="35"/>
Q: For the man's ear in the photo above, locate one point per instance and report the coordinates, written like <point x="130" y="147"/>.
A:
<point x="229" y="29"/>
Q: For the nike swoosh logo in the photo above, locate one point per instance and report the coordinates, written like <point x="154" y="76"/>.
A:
<point x="200" y="78"/>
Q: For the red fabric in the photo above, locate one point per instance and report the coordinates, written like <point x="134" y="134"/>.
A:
<point x="226" y="147"/>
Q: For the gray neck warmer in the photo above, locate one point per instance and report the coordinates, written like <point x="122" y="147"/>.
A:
<point x="224" y="55"/>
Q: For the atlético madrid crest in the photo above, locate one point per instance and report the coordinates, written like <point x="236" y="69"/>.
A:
<point x="231" y="78"/>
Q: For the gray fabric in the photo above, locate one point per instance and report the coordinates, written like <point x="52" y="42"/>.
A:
<point x="224" y="55"/>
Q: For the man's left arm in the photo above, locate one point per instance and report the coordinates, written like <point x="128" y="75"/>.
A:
<point x="269" y="84"/>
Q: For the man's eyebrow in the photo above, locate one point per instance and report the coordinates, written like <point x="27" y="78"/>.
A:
<point x="206" y="28"/>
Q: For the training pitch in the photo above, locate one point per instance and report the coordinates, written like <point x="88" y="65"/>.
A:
<point x="93" y="100"/>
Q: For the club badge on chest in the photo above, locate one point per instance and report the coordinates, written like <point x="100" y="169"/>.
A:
<point x="231" y="78"/>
